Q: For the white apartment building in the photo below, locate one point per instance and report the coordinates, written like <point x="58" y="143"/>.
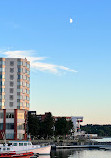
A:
<point x="14" y="97"/>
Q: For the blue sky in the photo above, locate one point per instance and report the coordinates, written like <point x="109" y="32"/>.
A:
<point x="70" y="62"/>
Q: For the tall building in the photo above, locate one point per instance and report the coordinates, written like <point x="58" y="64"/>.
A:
<point x="14" y="97"/>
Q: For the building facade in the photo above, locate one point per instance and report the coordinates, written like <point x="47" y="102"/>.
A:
<point x="14" y="97"/>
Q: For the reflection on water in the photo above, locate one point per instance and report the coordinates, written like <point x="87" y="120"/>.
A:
<point x="45" y="156"/>
<point x="79" y="153"/>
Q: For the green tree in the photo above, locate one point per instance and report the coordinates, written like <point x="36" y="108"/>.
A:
<point x="33" y="125"/>
<point x="62" y="126"/>
<point x="47" y="126"/>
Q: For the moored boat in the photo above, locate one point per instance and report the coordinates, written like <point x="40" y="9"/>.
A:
<point x="18" y="147"/>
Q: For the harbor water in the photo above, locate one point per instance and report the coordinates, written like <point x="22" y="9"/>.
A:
<point x="80" y="153"/>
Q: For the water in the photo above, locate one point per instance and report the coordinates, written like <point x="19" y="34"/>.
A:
<point x="80" y="153"/>
<point x="102" y="140"/>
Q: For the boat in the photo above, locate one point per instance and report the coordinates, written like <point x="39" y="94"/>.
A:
<point x="19" y="147"/>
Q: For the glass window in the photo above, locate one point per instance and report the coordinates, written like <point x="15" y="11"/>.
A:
<point x="25" y="144"/>
<point x="19" y="63"/>
<point x="28" y="65"/>
<point x="2" y="69"/>
<point x="11" y="90"/>
<point x="11" y="70"/>
<point x="8" y="148"/>
<point x="2" y="76"/>
<point x="11" y="63"/>
<point x="20" y="115"/>
<point x="2" y="83"/>
<point x="9" y="115"/>
<point x="1" y="115"/>
<point x="2" y="90"/>
<point x="11" y="77"/>
<point x="9" y="135"/>
<point x="25" y="70"/>
<point x="20" y="90"/>
<point x="11" y="97"/>
<point x="3" y="96"/>
<point x="20" y="126"/>
<point x="19" y="76"/>
<point x="19" y="69"/>
<point x="11" y="84"/>
<point x="14" y="144"/>
<point x="19" y="83"/>
<point x="2" y="62"/>
<point x="9" y="125"/>
<point x="11" y="104"/>
<point x="1" y="126"/>
<point x="20" y="144"/>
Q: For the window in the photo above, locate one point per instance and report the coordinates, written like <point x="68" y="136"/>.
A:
<point x="20" y="136"/>
<point x="20" y="115"/>
<point x="2" y="96"/>
<point x="18" y="100"/>
<point x="9" y="125"/>
<point x="19" y="97"/>
<point x="20" y="126"/>
<point x="11" y="90"/>
<point x="11" y="97"/>
<point x="19" y="63"/>
<point x="9" y="135"/>
<point x="28" y="85"/>
<point x="2" y="69"/>
<point x="2" y="62"/>
<point x="11" y="104"/>
<point x="1" y="126"/>
<point x="11" y="70"/>
<point x="19" y="104"/>
<point x="11" y="63"/>
<point x="19" y="76"/>
<point x="2" y="83"/>
<point x="11" y="77"/>
<point x="11" y="84"/>
<point x="20" y="144"/>
<point x="9" y="115"/>
<point x="19" y="69"/>
<point x="2" y="90"/>
<point x="28" y="66"/>
<point x="28" y="72"/>
<point x="25" y="144"/>
<point x="1" y="115"/>
<point x="19" y="90"/>
<point x="14" y="144"/>
<point x="2" y="76"/>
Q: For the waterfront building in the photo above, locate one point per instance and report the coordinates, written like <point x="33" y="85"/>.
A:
<point x="14" y="97"/>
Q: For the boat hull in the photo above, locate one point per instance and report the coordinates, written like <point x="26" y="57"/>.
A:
<point x="42" y="150"/>
<point x="14" y="155"/>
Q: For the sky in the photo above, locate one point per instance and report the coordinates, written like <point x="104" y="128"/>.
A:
<point x="68" y="43"/>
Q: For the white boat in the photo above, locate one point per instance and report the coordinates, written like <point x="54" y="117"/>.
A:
<point x="23" y="147"/>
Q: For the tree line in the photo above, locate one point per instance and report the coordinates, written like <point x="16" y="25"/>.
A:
<point x="101" y="130"/>
<point x="48" y="127"/>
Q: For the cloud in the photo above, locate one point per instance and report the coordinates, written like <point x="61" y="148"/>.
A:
<point x="71" y="20"/>
<point x="36" y="63"/>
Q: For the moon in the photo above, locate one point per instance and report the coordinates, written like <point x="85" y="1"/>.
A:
<point x="71" y="20"/>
